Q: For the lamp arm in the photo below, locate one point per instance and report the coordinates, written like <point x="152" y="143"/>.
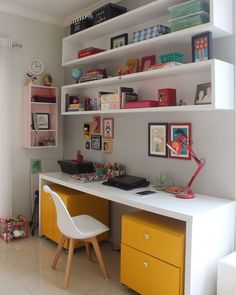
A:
<point x="199" y="163"/>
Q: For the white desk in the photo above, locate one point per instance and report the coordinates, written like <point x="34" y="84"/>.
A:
<point x="210" y="225"/>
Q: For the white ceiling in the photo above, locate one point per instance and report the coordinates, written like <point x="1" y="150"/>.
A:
<point x="59" y="12"/>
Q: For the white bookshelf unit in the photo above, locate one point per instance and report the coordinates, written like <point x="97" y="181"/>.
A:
<point x="31" y="135"/>
<point x="219" y="73"/>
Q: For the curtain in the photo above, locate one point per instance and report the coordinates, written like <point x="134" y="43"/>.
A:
<point x="6" y="64"/>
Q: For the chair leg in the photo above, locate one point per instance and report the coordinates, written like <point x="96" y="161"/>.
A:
<point x="58" y="252"/>
<point x="88" y="253"/>
<point x="99" y="257"/>
<point x="68" y="264"/>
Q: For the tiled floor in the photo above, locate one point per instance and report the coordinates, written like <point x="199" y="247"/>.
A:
<point x="25" y="270"/>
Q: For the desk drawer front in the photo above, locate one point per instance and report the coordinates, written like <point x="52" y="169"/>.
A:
<point x="160" y="244"/>
<point x="148" y="275"/>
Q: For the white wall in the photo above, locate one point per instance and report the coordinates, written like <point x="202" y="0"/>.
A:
<point x="213" y="136"/>
<point x="44" y="41"/>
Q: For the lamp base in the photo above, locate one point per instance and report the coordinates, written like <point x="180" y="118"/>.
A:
<point x="185" y="194"/>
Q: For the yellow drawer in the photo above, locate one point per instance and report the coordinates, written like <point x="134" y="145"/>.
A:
<point x="155" y="235"/>
<point x="147" y="275"/>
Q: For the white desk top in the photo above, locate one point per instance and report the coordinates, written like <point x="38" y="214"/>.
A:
<point x="160" y="202"/>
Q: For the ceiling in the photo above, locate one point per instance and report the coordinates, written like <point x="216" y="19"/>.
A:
<point x="59" y="12"/>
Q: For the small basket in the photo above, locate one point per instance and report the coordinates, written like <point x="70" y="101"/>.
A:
<point x="173" y="56"/>
<point x="107" y="12"/>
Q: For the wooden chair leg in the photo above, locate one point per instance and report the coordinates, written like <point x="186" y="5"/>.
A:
<point x="99" y="257"/>
<point x="88" y="253"/>
<point x="68" y="264"/>
<point x="58" y="252"/>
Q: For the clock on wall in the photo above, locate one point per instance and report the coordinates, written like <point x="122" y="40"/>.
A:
<point x="36" y="66"/>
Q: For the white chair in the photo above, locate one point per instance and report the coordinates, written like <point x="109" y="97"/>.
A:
<point x="81" y="227"/>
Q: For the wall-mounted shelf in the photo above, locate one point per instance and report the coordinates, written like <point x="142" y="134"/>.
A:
<point x="220" y="25"/>
<point x="221" y="76"/>
<point x="31" y="138"/>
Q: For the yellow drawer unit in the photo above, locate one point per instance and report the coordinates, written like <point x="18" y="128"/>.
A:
<point x="152" y="253"/>
<point x="77" y="203"/>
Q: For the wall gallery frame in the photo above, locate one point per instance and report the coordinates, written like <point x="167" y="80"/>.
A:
<point x="96" y="142"/>
<point x="108" y="128"/>
<point x="107" y="146"/>
<point x="175" y="131"/>
<point x="157" y="139"/>
<point x="41" y="121"/>
<point x="147" y="62"/>
<point x="202" y="47"/>
<point x="96" y="125"/>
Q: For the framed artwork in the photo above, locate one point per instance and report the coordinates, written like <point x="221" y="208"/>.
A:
<point x="108" y="128"/>
<point x="118" y="41"/>
<point x="203" y="94"/>
<point x="87" y="145"/>
<point x="87" y="130"/>
<point x="132" y="66"/>
<point x="157" y="139"/>
<point x="41" y="121"/>
<point x="96" y="142"/>
<point x="96" y="124"/>
<point x="107" y="146"/>
<point x="175" y="131"/>
<point x="202" y="47"/>
<point x="147" y="62"/>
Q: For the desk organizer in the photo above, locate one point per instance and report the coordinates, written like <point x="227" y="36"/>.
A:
<point x="14" y="228"/>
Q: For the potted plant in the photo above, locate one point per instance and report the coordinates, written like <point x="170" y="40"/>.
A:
<point x="79" y="157"/>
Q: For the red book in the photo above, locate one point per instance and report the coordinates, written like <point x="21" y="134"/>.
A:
<point x="141" y="104"/>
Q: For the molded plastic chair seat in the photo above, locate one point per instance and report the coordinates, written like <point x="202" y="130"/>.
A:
<point x="81" y="227"/>
<point x="88" y="226"/>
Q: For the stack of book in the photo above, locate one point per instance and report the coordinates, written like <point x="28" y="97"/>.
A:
<point x="126" y="94"/>
<point x="94" y="74"/>
<point x="72" y="103"/>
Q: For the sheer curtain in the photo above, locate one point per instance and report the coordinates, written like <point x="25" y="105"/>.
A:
<point x="5" y="127"/>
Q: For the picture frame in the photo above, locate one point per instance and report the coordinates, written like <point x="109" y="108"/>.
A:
<point x="108" y="128"/>
<point x="203" y="94"/>
<point x="132" y="66"/>
<point x="87" y="145"/>
<point x="202" y="47"/>
<point x="107" y="146"/>
<point x="41" y="121"/>
<point x="147" y="62"/>
<point x="157" y="139"/>
<point x="119" y="40"/>
<point x="96" y="125"/>
<point x="176" y="130"/>
<point x="96" y="142"/>
<point x="87" y="130"/>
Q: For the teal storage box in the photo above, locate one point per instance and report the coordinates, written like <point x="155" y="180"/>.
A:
<point x="188" y="7"/>
<point x="188" y="21"/>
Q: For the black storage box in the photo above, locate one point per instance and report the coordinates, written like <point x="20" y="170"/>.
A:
<point x="127" y="182"/>
<point x="106" y="12"/>
<point x="73" y="167"/>
<point x="80" y="24"/>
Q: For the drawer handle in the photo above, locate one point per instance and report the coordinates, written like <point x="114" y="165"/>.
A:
<point x="146" y="236"/>
<point x="145" y="264"/>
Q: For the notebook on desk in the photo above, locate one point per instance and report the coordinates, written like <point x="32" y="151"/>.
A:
<point x="127" y="182"/>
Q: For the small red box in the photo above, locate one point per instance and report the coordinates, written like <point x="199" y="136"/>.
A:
<point x="141" y="104"/>
<point x="166" y="97"/>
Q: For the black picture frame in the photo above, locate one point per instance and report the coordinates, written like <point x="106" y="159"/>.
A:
<point x="157" y="140"/>
<point x="118" y="41"/>
<point x="202" y="47"/>
<point x="96" y="142"/>
<point x="203" y="94"/>
<point x="40" y="121"/>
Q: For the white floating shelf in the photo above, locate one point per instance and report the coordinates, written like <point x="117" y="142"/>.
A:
<point x="182" y="69"/>
<point x="46" y="130"/>
<point x="134" y="49"/>
<point x="221" y="75"/>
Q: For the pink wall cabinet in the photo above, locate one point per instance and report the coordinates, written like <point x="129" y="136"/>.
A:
<point x="40" y="117"/>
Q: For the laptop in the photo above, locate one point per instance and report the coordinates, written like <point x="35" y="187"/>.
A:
<point x="127" y="182"/>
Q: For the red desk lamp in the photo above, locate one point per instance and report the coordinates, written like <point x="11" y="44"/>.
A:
<point x="176" y="147"/>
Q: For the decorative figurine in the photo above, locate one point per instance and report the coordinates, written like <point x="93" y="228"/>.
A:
<point x="32" y="79"/>
<point x="47" y="80"/>
<point x="79" y="157"/>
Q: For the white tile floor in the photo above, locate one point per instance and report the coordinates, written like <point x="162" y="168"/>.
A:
<point x="25" y="270"/>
